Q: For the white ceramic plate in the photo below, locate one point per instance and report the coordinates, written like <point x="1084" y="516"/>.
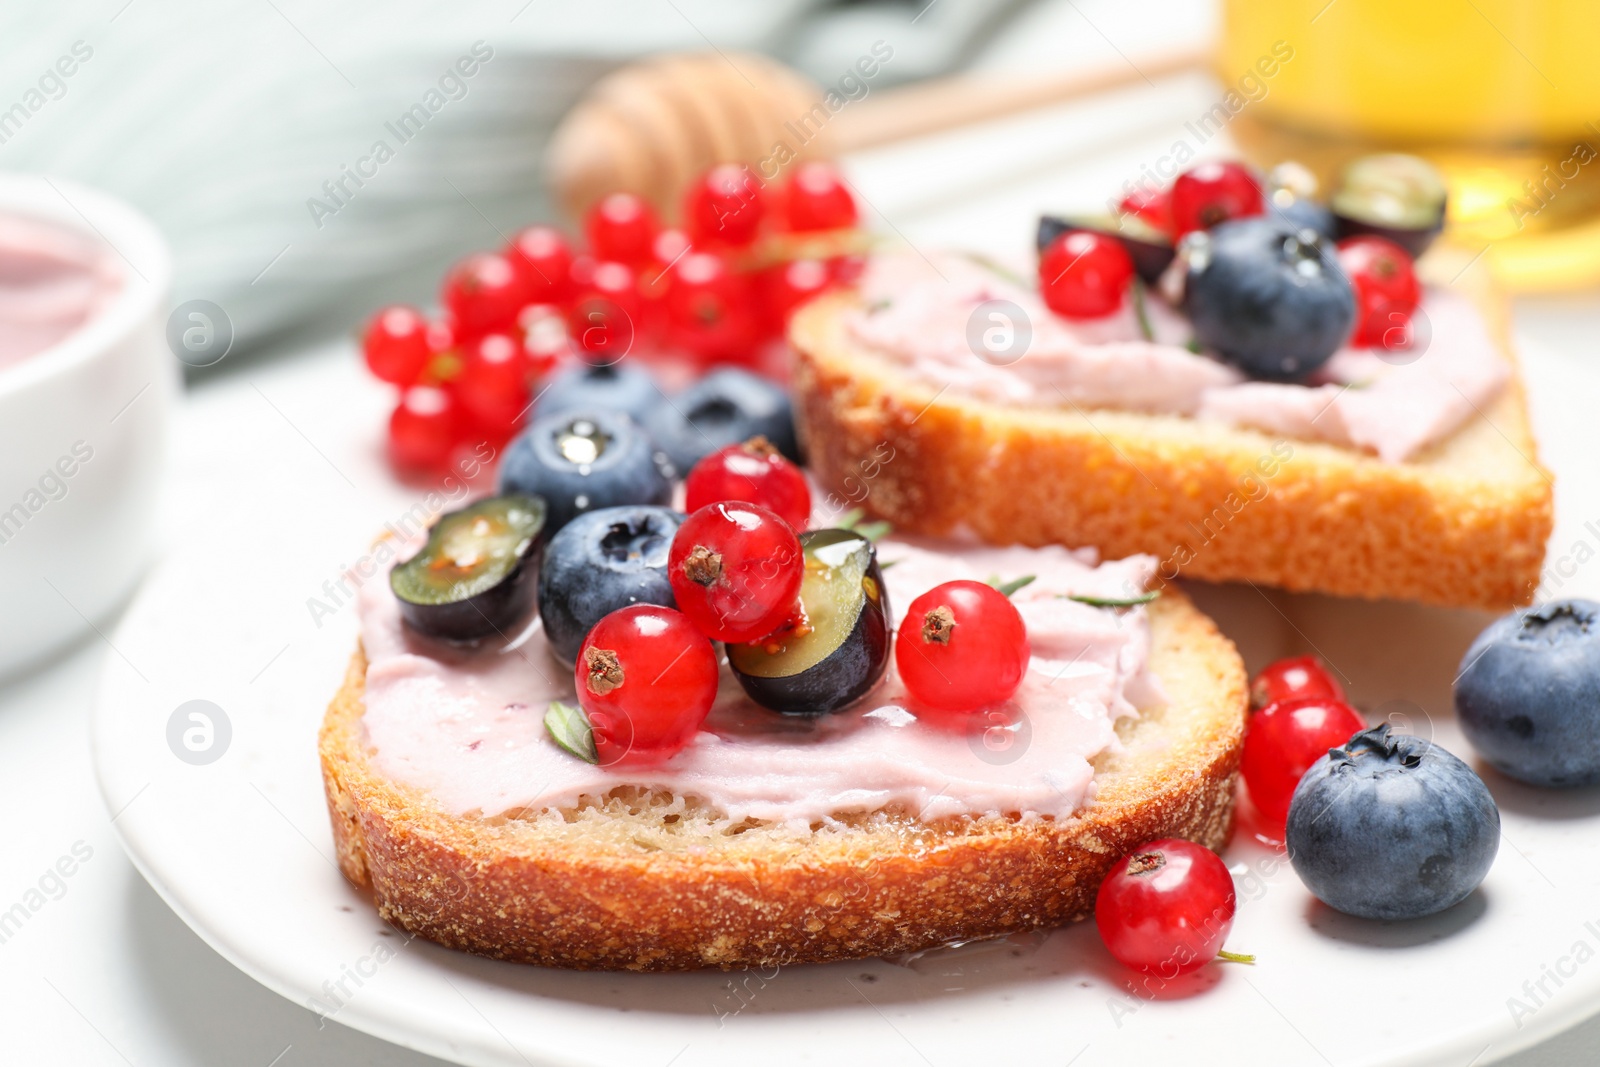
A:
<point x="240" y="847"/>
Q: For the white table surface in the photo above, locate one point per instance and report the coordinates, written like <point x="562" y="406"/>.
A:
<point x="104" y="973"/>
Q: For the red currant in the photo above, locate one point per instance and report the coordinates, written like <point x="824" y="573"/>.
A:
<point x="423" y="428"/>
<point x="1154" y="206"/>
<point x="1084" y="275"/>
<point x="1166" y="908"/>
<point x="846" y="269"/>
<point x="605" y="314"/>
<point x="544" y="337"/>
<point x="1214" y="192"/>
<point x="1387" y="290"/>
<point x="1281" y="743"/>
<point x="493" y="384"/>
<point x="483" y="293"/>
<point x="543" y="258"/>
<point x="753" y="472"/>
<point x="621" y="227"/>
<point x="708" y="308"/>
<point x="724" y="206"/>
<point x="962" y="647"/>
<point x="818" y="199"/>
<point x="646" y="680"/>
<point x="735" y="570"/>
<point x="396" y="345"/>
<point x="789" y="285"/>
<point x="1291" y="679"/>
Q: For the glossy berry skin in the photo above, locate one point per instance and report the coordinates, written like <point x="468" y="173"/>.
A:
<point x="543" y="259"/>
<point x="1291" y="679"/>
<point x="1154" y="206"/>
<point x="735" y="570"/>
<point x="727" y="406"/>
<point x="1386" y="288"/>
<point x="1268" y="299"/>
<point x="1284" y="739"/>
<point x="621" y="228"/>
<point x="962" y="647"/>
<point x="626" y="387"/>
<point x="424" y="428"/>
<point x="1526" y="696"/>
<point x="724" y="207"/>
<point x="1391" y="826"/>
<point x="816" y="198"/>
<point x="606" y="312"/>
<point x="1166" y="908"/>
<point x="1213" y="193"/>
<point x="493" y="383"/>
<point x="1084" y="275"/>
<point x="754" y="472"/>
<point x="599" y="562"/>
<point x="646" y="680"/>
<point x="483" y="293"/>
<point x="396" y="345"/>
<point x="709" y="307"/>
<point x="585" y="460"/>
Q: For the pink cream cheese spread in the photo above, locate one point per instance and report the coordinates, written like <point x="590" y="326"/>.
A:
<point x="52" y="281"/>
<point x="918" y="313"/>
<point x="466" y="725"/>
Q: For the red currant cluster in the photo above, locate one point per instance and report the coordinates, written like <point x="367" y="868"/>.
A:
<point x="719" y="289"/>
<point x="1299" y="714"/>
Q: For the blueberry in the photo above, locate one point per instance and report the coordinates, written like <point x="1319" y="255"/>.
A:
<point x="599" y="562"/>
<point x="1391" y="827"/>
<point x="1528" y="696"/>
<point x="1270" y="299"/>
<point x="580" y="461"/>
<point x="1301" y="214"/>
<point x="723" y="408"/>
<point x="623" y="386"/>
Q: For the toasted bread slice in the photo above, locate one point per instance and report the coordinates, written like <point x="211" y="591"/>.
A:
<point x="1463" y="524"/>
<point x="642" y="882"/>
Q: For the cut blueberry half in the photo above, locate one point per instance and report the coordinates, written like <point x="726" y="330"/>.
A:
<point x="1395" y="196"/>
<point x="474" y="576"/>
<point x="836" y="652"/>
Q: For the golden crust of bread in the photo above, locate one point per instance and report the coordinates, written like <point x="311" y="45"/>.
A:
<point x="620" y="886"/>
<point x="1464" y="524"/>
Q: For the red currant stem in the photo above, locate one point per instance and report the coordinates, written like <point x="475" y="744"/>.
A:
<point x="1007" y="588"/>
<point x="996" y="267"/>
<point x="1234" y="957"/>
<point x="570" y="728"/>
<point x="1140" y="312"/>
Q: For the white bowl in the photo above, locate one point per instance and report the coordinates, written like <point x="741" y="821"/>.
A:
<point x="83" y="435"/>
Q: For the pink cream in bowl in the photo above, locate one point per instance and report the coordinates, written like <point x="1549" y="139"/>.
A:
<point x="52" y="282"/>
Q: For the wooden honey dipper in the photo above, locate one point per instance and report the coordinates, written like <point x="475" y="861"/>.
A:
<point x="654" y="126"/>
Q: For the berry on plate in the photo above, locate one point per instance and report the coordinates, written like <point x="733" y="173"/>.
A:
<point x="396" y="345"/>
<point x="816" y="198"/>
<point x="581" y="461"/>
<point x="787" y="286"/>
<point x="1386" y="287"/>
<point x="755" y="472"/>
<point x="424" y="428"/>
<point x="646" y="680"/>
<point x="483" y="293"/>
<point x="735" y="570"/>
<point x="725" y="206"/>
<point x="709" y="308"/>
<point x="626" y="387"/>
<point x="1084" y="274"/>
<point x="1391" y="826"/>
<point x="962" y="647"/>
<point x="607" y="311"/>
<point x="621" y="227"/>
<point x="836" y="647"/>
<point x="541" y="255"/>
<point x="1528" y="697"/>
<point x="1290" y="679"/>
<point x="599" y="562"/>
<point x="725" y="407"/>
<point x="1211" y="193"/>
<point x="1283" y="739"/>
<point x="1166" y="908"/>
<point x="493" y="384"/>
<point x="1269" y="299"/>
